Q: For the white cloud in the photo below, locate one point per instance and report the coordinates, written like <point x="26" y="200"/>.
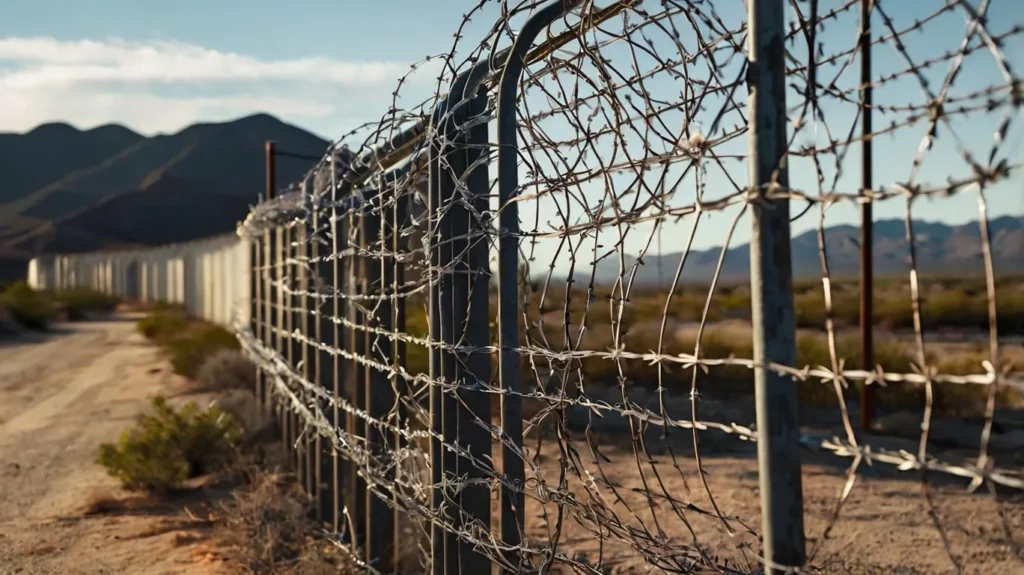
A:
<point x="163" y="86"/>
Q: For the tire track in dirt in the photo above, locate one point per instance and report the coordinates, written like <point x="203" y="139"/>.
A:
<point x="29" y="363"/>
<point x="61" y="396"/>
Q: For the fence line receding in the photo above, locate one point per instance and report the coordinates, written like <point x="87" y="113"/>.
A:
<point x="538" y="323"/>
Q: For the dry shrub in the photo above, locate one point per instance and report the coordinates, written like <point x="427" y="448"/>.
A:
<point x="720" y="341"/>
<point x="169" y="446"/>
<point x="267" y="528"/>
<point x="197" y="343"/>
<point x="227" y="369"/>
<point x="189" y="342"/>
<point x="163" y="322"/>
<point x="29" y="308"/>
<point x="895" y="356"/>
<point x="80" y="303"/>
<point x="241" y="405"/>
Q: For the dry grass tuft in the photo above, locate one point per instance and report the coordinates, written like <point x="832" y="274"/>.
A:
<point x="227" y="369"/>
<point x="267" y="527"/>
<point x="241" y="405"/>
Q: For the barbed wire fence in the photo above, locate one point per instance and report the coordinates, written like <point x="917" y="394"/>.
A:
<point x="454" y="407"/>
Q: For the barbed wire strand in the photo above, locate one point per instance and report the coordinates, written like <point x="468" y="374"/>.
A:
<point x="631" y="120"/>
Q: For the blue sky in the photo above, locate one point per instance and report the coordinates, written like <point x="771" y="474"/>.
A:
<point x="388" y="35"/>
<point x="266" y="29"/>
<point x="328" y="65"/>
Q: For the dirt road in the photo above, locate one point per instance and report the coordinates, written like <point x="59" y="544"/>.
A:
<point x="61" y="396"/>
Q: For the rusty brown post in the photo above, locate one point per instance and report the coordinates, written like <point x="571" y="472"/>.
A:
<point x="271" y="169"/>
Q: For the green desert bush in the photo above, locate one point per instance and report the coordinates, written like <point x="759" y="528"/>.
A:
<point x="79" y="303"/>
<point x="189" y="342"/>
<point x="168" y="446"/>
<point x="35" y="309"/>
<point x="163" y="321"/>
<point x="196" y="343"/>
<point x="30" y="308"/>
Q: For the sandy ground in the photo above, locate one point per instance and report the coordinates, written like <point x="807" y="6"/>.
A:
<point x="886" y="527"/>
<point x="61" y="396"/>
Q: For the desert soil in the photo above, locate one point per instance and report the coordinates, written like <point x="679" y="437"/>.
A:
<point x="61" y="396"/>
<point x="886" y="526"/>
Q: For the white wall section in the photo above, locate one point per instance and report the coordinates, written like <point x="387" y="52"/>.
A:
<point x="210" y="277"/>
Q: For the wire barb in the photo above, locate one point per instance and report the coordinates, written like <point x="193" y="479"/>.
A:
<point x="638" y="412"/>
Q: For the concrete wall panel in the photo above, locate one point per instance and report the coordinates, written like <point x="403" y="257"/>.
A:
<point x="210" y="277"/>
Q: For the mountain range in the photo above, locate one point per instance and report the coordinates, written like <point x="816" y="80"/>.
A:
<point x="939" y="249"/>
<point x="65" y="190"/>
<point x="68" y="190"/>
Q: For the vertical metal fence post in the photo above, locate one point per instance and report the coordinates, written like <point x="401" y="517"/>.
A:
<point x="380" y="397"/>
<point x="867" y="288"/>
<point x="400" y="248"/>
<point x="261" y="258"/>
<point x="452" y="316"/>
<point x="304" y="326"/>
<point x="279" y="323"/>
<point x="322" y="374"/>
<point x="512" y="497"/>
<point x="438" y="532"/>
<point x="333" y="336"/>
<point x="287" y="325"/>
<point x="355" y="345"/>
<point x="771" y="279"/>
<point x="256" y="306"/>
<point x="267" y="243"/>
<point x="295" y="357"/>
<point x="471" y="319"/>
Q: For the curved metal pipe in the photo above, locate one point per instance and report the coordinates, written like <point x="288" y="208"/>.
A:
<point x="512" y="498"/>
<point x="450" y="301"/>
<point x="389" y="153"/>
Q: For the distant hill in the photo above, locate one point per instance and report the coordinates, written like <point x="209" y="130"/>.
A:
<point x="166" y="210"/>
<point x="227" y="156"/>
<point x="68" y="190"/>
<point x="939" y="249"/>
<point x="51" y="152"/>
